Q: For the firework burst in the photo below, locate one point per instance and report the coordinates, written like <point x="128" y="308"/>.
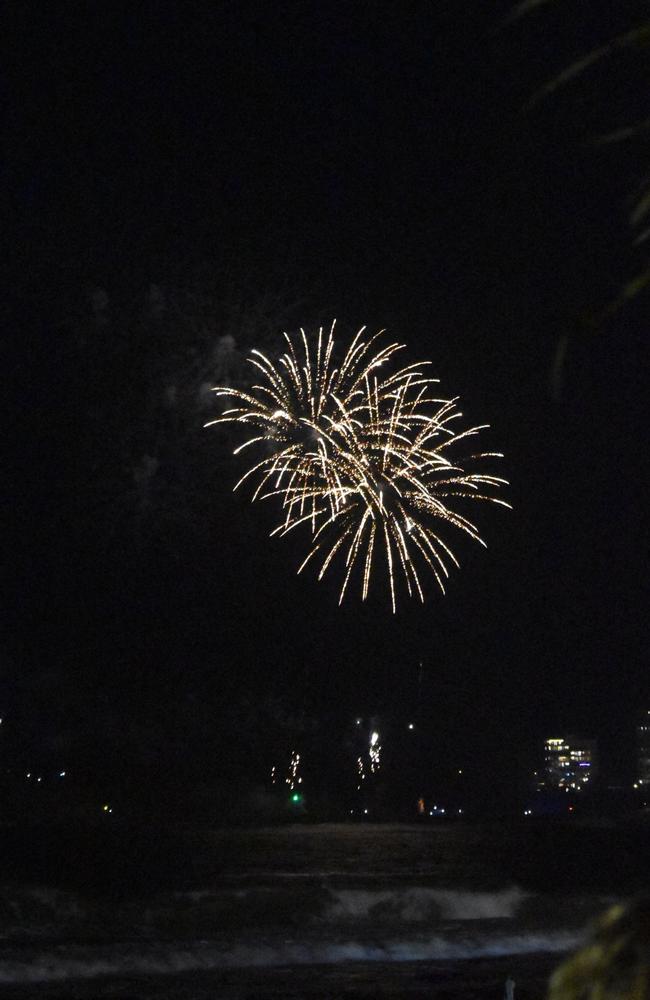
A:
<point x="366" y="459"/>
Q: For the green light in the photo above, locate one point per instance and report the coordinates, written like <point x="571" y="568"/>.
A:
<point x="295" y="797"/>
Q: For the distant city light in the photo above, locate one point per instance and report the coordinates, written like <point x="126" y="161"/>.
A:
<point x="61" y="774"/>
<point x="411" y="726"/>
<point x="643" y="754"/>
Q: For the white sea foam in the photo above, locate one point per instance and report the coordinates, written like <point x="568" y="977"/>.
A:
<point x="87" y="962"/>
<point x="414" y="903"/>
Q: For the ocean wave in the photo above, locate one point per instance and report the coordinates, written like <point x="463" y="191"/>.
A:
<point x="33" y="914"/>
<point x="75" y="962"/>
<point x="419" y="904"/>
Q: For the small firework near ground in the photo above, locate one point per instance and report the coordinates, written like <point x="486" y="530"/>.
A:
<point x="371" y="462"/>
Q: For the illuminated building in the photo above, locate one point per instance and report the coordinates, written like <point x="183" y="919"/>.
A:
<point x="643" y="751"/>
<point x="570" y="764"/>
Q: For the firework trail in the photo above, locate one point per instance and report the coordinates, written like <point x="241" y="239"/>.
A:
<point x="366" y="459"/>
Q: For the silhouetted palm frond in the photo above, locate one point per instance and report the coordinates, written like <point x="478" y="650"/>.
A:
<point x="624" y="43"/>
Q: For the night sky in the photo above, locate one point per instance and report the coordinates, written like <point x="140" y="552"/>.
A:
<point x="380" y="164"/>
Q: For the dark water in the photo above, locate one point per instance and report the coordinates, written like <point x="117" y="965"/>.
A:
<point x="330" y="910"/>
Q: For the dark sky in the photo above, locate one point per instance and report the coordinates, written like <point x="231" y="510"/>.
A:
<point x="380" y="163"/>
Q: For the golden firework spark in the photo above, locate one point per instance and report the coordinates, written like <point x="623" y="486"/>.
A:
<point x="367" y="461"/>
